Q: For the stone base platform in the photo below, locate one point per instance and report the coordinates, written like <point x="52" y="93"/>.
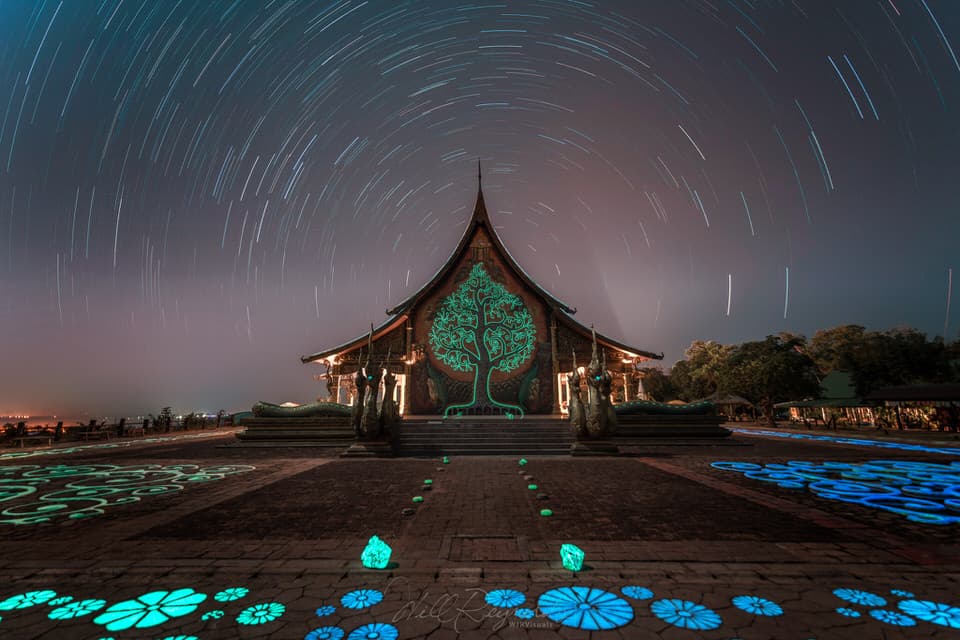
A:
<point x="296" y="432"/>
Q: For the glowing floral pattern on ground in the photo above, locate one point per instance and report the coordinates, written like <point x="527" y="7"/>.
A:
<point x="859" y="442"/>
<point x="374" y="631"/>
<point x="231" y="594"/>
<point x="261" y="613"/>
<point x="28" y="599"/>
<point x="636" y="592"/>
<point x="361" y="598"/>
<point x="925" y="492"/>
<point x="892" y="617"/>
<point x="524" y="613"/>
<point x="77" y="609"/>
<point x="82" y="491"/>
<point x="216" y="614"/>
<point x="757" y="606"/>
<point x="857" y="596"/>
<point x="150" y="610"/>
<point x="325" y="610"/>
<point x="849" y="613"/>
<point x="56" y="602"/>
<point x="686" y="614"/>
<point x="325" y="633"/>
<point x="505" y="598"/>
<point x="585" y="608"/>
<point x="934" y="612"/>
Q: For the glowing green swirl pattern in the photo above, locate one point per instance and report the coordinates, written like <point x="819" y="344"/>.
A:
<point x="484" y="328"/>
<point x="82" y="491"/>
<point x="110" y="445"/>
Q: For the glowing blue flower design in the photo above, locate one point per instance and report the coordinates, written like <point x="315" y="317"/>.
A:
<point x="77" y="609"/>
<point x="585" y="608"/>
<point x="361" y="598"/>
<point x="892" y="617"/>
<point x="374" y="631"/>
<point x="216" y="614"/>
<point x="505" y="598"/>
<point x="181" y="638"/>
<point x="686" y="614"/>
<point x="757" y="606"/>
<point x="231" y="594"/>
<point x="935" y="612"/>
<point x="850" y="613"/>
<point x="900" y="593"/>
<point x="261" y="613"/>
<point x="28" y="599"/>
<point x="325" y="610"/>
<point x="150" y="609"/>
<point x="636" y="592"/>
<point x="325" y="633"/>
<point x="856" y="596"/>
<point x="524" y="613"/>
<point x="56" y="602"/>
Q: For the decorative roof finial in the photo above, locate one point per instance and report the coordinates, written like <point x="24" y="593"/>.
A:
<point x="593" y="331"/>
<point x="479" y="175"/>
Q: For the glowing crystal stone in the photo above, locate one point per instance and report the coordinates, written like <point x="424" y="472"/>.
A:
<point x="376" y="555"/>
<point x="428" y="481"/>
<point x="446" y="460"/>
<point x="572" y="557"/>
<point x="418" y="498"/>
<point x="532" y="487"/>
<point x="523" y="462"/>
<point x="546" y="512"/>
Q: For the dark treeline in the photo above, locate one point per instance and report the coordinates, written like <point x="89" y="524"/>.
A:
<point x="788" y="367"/>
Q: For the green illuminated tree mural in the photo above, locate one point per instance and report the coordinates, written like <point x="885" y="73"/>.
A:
<point x="484" y="328"/>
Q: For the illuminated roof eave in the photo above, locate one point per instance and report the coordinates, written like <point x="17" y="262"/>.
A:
<point x="378" y="332"/>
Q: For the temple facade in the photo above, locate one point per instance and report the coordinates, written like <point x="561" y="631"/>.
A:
<point x="481" y="338"/>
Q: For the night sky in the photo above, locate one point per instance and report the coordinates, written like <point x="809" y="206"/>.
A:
<point x="194" y="194"/>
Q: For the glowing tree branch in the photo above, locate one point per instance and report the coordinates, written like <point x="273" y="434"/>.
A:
<point x="484" y="328"/>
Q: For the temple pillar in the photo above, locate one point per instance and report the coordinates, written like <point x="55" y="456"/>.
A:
<point x="555" y="364"/>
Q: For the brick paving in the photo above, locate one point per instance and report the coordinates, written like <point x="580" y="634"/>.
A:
<point x="290" y="532"/>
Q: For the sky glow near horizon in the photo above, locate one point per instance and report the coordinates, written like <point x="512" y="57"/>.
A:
<point x="192" y="195"/>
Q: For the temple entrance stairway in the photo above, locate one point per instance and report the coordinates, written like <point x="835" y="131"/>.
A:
<point x="483" y="435"/>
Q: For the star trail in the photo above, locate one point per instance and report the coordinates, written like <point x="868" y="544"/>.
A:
<point x="193" y="194"/>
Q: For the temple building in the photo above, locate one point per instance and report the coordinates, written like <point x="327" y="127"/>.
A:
<point x="481" y="338"/>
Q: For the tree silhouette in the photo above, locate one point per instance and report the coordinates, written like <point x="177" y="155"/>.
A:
<point x="482" y="327"/>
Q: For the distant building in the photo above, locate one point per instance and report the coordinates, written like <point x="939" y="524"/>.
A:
<point x="480" y="338"/>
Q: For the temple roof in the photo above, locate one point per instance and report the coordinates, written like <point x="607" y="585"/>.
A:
<point x="480" y="218"/>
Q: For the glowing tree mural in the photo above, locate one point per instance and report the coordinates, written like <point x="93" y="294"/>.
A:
<point x="484" y="328"/>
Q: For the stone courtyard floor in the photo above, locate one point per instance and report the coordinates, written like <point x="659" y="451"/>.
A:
<point x="763" y="537"/>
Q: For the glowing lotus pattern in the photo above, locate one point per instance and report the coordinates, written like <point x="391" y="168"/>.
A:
<point x="325" y="633"/>
<point x="231" y="594"/>
<point x="636" y="592"/>
<point x="77" y="609"/>
<point x="686" y="614"/>
<point x="505" y="598"/>
<point x="261" y="613"/>
<point x="935" y="612"/>
<point x="856" y="596"/>
<point x="585" y="608"/>
<point x="374" y="631"/>
<point x="361" y="598"/>
<point x="892" y="617"/>
<point x="150" y="609"/>
<point x="757" y="606"/>
<point x="28" y="599"/>
<point x="325" y="610"/>
<point x="924" y="492"/>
